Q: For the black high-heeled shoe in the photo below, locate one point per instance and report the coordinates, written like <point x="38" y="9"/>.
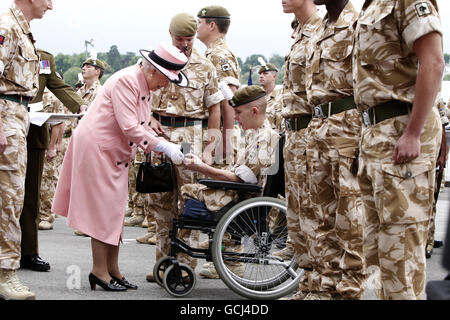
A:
<point x="124" y="282"/>
<point x="111" y="286"/>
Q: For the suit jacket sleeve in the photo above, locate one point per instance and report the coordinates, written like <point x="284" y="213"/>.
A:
<point x="64" y="92"/>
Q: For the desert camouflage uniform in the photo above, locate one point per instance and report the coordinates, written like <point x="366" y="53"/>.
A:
<point x="20" y="77"/>
<point x="50" y="173"/>
<point x="274" y="108"/>
<point x="300" y="221"/>
<point x="192" y="101"/>
<point x="228" y="72"/>
<point x="332" y="145"/>
<point x="397" y="198"/>
<point x="443" y="113"/>
<point x="257" y="153"/>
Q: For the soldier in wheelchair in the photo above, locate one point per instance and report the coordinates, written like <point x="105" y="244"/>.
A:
<point x="232" y="212"/>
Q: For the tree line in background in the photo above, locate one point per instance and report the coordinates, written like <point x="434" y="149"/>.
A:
<point x="70" y="65"/>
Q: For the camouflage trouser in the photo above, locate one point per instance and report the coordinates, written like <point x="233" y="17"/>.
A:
<point x="139" y="202"/>
<point x="336" y="251"/>
<point x="13" y="164"/>
<point x="300" y="221"/>
<point x="168" y="205"/>
<point x="398" y="202"/>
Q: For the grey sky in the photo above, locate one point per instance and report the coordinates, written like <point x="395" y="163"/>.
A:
<point x="257" y="26"/>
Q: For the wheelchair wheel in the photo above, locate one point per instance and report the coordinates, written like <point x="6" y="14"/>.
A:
<point x="179" y="280"/>
<point x="242" y="250"/>
<point x="160" y="267"/>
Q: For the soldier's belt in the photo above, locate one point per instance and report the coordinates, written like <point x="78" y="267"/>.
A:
<point x="338" y="106"/>
<point x="298" y="123"/>
<point x="16" y="98"/>
<point x="178" y="122"/>
<point x="384" y="111"/>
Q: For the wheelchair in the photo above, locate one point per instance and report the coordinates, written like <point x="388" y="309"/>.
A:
<point x="244" y="224"/>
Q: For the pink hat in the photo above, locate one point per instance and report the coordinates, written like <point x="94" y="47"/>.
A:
<point x="169" y="60"/>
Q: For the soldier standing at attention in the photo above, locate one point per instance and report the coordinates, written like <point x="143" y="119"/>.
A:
<point x="297" y="114"/>
<point x="53" y="158"/>
<point x="37" y="142"/>
<point x="332" y="151"/>
<point x="181" y="114"/>
<point x="397" y="68"/>
<point x="267" y="77"/>
<point x="19" y="81"/>
<point x="213" y="25"/>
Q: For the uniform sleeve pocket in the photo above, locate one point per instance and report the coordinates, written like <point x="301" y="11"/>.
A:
<point x="9" y="160"/>
<point x="408" y="192"/>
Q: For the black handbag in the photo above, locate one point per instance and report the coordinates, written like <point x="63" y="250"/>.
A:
<point x="155" y="178"/>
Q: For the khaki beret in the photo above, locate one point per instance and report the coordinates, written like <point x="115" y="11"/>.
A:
<point x="183" y="25"/>
<point x="268" y="67"/>
<point x="96" y="63"/>
<point x="246" y="95"/>
<point x="214" y="12"/>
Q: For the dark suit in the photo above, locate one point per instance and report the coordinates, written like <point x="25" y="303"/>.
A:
<point x="37" y="142"/>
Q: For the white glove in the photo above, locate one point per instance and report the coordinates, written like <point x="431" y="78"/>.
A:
<point x="226" y="91"/>
<point x="173" y="151"/>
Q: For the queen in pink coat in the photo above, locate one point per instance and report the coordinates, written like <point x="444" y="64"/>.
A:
<point x="93" y="185"/>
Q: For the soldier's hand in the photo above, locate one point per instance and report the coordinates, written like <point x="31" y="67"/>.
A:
<point x="406" y="149"/>
<point x="156" y="126"/>
<point x="51" y="154"/>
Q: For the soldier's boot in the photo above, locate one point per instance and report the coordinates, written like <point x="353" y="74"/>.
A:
<point x="145" y="223"/>
<point x="11" y="288"/>
<point x="428" y="251"/>
<point x="45" y="225"/>
<point x="204" y="244"/>
<point x="134" y="221"/>
<point x="286" y="253"/>
<point x="79" y="233"/>
<point x="129" y="212"/>
<point x="209" y="271"/>
<point x="149" y="238"/>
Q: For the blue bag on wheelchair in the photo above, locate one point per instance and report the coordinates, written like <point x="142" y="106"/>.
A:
<point x="195" y="209"/>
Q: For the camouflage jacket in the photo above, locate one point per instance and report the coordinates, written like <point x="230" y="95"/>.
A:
<point x="88" y="95"/>
<point x="384" y="63"/>
<point x="225" y="62"/>
<point x="294" y="90"/>
<point x="194" y="100"/>
<point x="329" y="61"/>
<point x="273" y="110"/>
<point x="18" y="55"/>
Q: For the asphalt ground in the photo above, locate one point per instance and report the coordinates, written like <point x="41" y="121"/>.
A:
<point x="71" y="261"/>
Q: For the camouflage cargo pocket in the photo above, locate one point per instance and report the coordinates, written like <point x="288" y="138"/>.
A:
<point x="407" y="196"/>
<point x="9" y="160"/>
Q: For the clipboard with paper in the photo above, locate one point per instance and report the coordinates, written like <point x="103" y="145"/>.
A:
<point x="39" y="118"/>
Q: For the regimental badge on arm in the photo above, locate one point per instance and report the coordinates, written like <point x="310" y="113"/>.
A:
<point x="423" y="9"/>
<point x="2" y="39"/>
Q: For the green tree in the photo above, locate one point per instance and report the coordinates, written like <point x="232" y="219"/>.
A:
<point x="447" y="58"/>
<point x="447" y="77"/>
<point x="71" y="75"/>
<point x="114" y="58"/>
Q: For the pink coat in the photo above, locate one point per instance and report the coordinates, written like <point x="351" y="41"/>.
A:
<point x="93" y="185"/>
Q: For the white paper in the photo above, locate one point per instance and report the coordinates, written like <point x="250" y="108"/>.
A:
<point x="35" y="107"/>
<point x="39" y="118"/>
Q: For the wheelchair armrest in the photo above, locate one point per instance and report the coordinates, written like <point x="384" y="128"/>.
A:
<point x="228" y="185"/>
